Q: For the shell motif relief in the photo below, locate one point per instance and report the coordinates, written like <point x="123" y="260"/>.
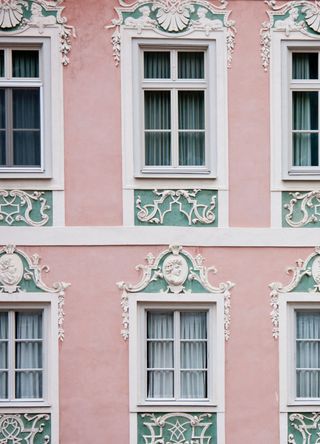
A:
<point x="11" y="13"/>
<point x="312" y="17"/>
<point x="173" y="15"/>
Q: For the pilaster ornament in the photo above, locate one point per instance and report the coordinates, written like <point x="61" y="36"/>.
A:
<point x="310" y="267"/>
<point x="172" y="17"/>
<point x="18" y="15"/>
<point x="25" y="428"/>
<point x="16" y="266"/>
<point x="19" y="206"/>
<point x="305" y="205"/>
<point x="304" y="428"/>
<point x="293" y="16"/>
<point x="175" y="268"/>
<point x="177" y="428"/>
<point x="187" y="204"/>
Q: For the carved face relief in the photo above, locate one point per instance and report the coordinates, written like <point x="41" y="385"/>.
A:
<point x="11" y="271"/>
<point x="316" y="270"/>
<point x="175" y="271"/>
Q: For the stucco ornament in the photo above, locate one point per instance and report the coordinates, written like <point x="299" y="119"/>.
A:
<point x="174" y="270"/>
<point x="303" y="209"/>
<point x="17" y="16"/>
<point x="172" y="18"/>
<point x="11" y="12"/>
<point x="292" y="16"/>
<point x="25" y="428"/>
<point x="304" y="428"/>
<point x="18" y="206"/>
<point x="185" y="200"/>
<point x="310" y="268"/>
<point x="17" y="267"/>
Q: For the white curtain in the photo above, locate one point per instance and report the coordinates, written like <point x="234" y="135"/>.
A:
<point x="29" y="355"/>
<point x="3" y="355"/>
<point x="160" y="360"/>
<point x="193" y="355"/>
<point x="305" y="116"/>
<point x="308" y="355"/>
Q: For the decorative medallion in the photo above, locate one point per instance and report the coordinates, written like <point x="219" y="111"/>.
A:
<point x="31" y="208"/>
<point x="176" y="207"/>
<point x="293" y="16"/>
<point x="305" y="277"/>
<point x="25" y="428"/>
<point x="177" y="428"/>
<point x="18" y="15"/>
<point x="172" y="17"/>
<point x="174" y="271"/>
<point x="18" y="271"/>
<point x="304" y="428"/>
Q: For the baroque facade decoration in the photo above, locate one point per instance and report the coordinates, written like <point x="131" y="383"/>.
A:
<point x="305" y="277"/>
<point x="18" y="15"/>
<point x="174" y="271"/>
<point x="177" y="428"/>
<point x="186" y="207"/>
<point x="21" y="273"/>
<point x="302" y="209"/>
<point x="31" y="208"/>
<point x="293" y="16"/>
<point x="304" y="428"/>
<point x="172" y="17"/>
<point x="28" y="428"/>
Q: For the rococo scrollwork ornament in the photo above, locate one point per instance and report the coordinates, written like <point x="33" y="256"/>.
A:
<point x="303" y="209"/>
<point x="19" y="206"/>
<point x="172" y="17"/>
<point x="175" y="268"/>
<point x="292" y="16"/>
<point x="310" y="267"/>
<point x="16" y="266"/>
<point x="304" y="428"/>
<point x="18" y="15"/>
<point x="25" y="428"/>
<point x="185" y="200"/>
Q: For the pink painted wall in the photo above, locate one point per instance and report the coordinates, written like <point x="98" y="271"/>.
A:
<point x="92" y="119"/>
<point x="94" y="358"/>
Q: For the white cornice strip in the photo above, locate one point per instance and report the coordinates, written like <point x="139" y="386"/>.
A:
<point x="202" y="237"/>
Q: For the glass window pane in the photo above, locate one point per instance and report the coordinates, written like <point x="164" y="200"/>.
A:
<point x="157" y="111"/>
<point x="193" y="325"/>
<point x="308" y="384"/>
<point x="160" y="384"/>
<point x="25" y="63"/>
<point x="26" y="148"/>
<point x="305" y="110"/>
<point x="193" y="384"/>
<point x="159" y="354"/>
<point x="29" y="325"/>
<point x="159" y="325"/>
<point x="308" y="325"/>
<point x="28" y="355"/>
<point x="157" y="148"/>
<point x="193" y="355"/>
<point x="26" y="108"/>
<point x="156" y="65"/>
<point x="1" y="63"/>
<point x="190" y="65"/>
<point x="3" y="385"/>
<point x="305" y="65"/>
<point x="29" y="385"/>
<point x="3" y="325"/>
<point x="305" y="149"/>
<point x="3" y="355"/>
<point x="191" y="110"/>
<point x="308" y="354"/>
<point x="191" y="148"/>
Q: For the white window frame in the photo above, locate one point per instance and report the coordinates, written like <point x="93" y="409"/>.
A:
<point x="288" y="305"/>
<point x="50" y="67"/>
<point x="208" y="85"/>
<point x="50" y="402"/>
<point x="138" y="304"/>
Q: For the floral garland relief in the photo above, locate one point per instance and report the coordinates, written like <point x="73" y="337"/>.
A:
<point x="293" y="16"/>
<point x="19" y="15"/>
<point x="172" y="17"/>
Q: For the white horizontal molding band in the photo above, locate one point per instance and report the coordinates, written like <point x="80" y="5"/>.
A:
<point x="202" y="237"/>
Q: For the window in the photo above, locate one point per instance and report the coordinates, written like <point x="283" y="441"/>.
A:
<point x="22" y="363"/>
<point x="176" y="355"/>
<point x="176" y="95"/>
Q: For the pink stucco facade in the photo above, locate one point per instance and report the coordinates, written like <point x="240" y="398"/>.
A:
<point x="93" y="246"/>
